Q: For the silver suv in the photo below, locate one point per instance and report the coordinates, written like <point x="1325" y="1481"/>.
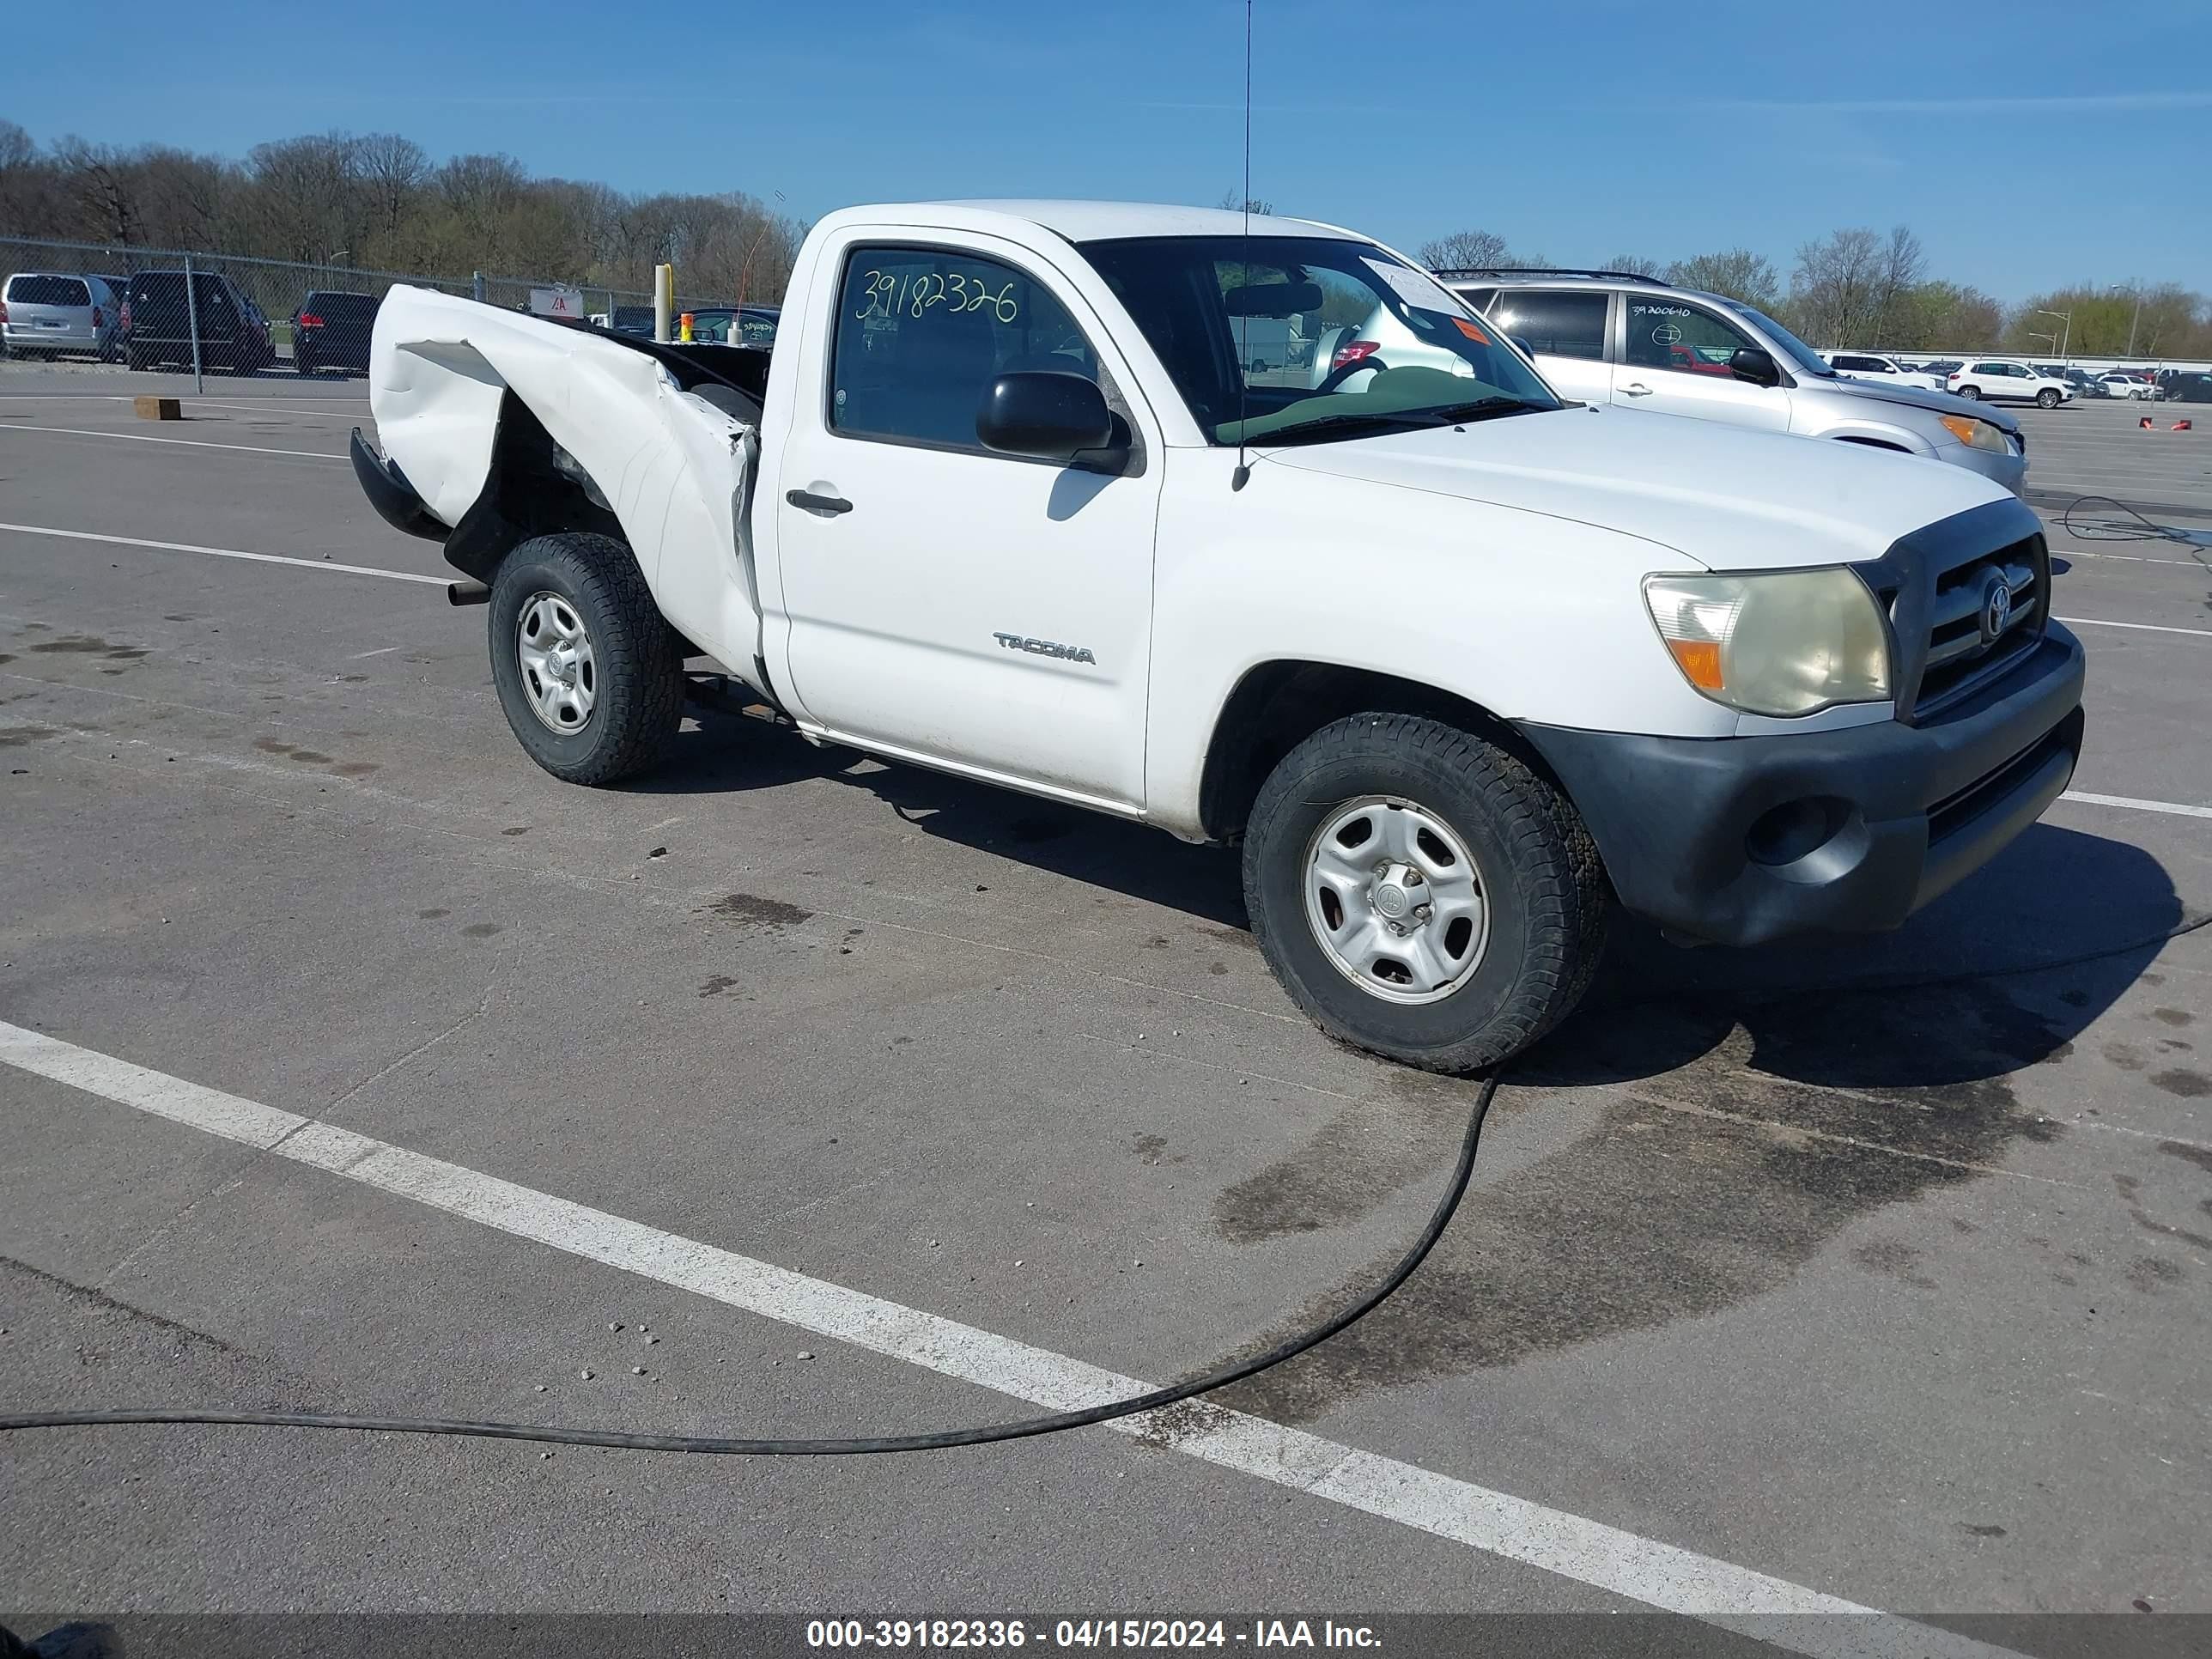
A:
<point x="1610" y="336"/>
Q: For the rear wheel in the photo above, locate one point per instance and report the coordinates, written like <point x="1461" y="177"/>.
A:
<point x="1973" y="394"/>
<point x="1421" y="893"/>
<point x="584" y="665"/>
<point x="2046" y="399"/>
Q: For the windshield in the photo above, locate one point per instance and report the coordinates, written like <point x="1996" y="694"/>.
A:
<point x="1298" y="339"/>
<point x="1803" y="354"/>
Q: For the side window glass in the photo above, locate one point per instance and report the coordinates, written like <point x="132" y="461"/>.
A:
<point x="1688" y="339"/>
<point x="1561" y="323"/>
<point x="922" y="333"/>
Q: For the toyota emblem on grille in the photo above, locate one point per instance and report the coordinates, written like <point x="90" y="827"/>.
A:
<point x="1996" y="608"/>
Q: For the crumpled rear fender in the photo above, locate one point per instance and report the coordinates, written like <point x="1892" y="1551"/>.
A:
<point x="670" y="465"/>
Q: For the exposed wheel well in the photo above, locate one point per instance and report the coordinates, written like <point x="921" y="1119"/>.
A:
<point x="1278" y="705"/>
<point x="533" y="487"/>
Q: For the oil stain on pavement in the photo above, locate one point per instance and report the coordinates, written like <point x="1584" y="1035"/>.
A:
<point x="1701" y="1186"/>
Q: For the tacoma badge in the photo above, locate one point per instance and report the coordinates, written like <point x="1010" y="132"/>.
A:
<point x="1045" y="647"/>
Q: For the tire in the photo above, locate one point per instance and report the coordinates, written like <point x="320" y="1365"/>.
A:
<point x="2046" y="399"/>
<point x="628" y="667"/>
<point x="1544" y="906"/>
<point x="1973" y="394"/>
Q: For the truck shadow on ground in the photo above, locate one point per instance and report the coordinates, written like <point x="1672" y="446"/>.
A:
<point x="730" y="753"/>
<point x="1750" y="1106"/>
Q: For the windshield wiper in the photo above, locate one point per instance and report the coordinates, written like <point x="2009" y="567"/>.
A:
<point x="1345" y="426"/>
<point x="1484" y="409"/>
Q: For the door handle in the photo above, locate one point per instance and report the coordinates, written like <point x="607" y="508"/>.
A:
<point x="1636" y="389"/>
<point x="831" y="504"/>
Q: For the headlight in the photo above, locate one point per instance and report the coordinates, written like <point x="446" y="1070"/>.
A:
<point x="1786" y="643"/>
<point x="1976" y="434"/>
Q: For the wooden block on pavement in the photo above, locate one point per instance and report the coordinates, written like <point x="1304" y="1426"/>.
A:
<point x="158" y="408"/>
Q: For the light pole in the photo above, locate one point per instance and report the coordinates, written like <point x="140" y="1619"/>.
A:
<point x="2117" y="288"/>
<point x="2067" y="317"/>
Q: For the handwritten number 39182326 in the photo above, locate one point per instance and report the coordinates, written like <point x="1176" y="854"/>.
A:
<point x="917" y="292"/>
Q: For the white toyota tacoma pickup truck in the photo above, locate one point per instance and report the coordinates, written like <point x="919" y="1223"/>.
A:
<point x="1462" y="666"/>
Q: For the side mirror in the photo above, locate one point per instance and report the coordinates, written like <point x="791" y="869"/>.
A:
<point x="1050" y="417"/>
<point x="1521" y="344"/>
<point x="1750" y="363"/>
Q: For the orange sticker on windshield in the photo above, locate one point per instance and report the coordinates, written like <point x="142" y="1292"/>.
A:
<point x="1471" y="331"/>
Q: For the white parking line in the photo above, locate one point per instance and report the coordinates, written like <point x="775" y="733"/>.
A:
<point x="193" y="443"/>
<point x="284" y="408"/>
<point x="2135" y="806"/>
<point x="2148" y="628"/>
<point x="1589" y="1551"/>
<point x="2067" y="551"/>
<point x="223" y="553"/>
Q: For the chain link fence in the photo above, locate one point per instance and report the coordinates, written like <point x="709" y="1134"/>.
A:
<point x="213" y="312"/>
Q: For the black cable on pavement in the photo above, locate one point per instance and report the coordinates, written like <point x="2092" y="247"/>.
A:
<point x="1022" y="1428"/>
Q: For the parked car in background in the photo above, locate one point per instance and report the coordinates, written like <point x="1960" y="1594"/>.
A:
<point x="1881" y="370"/>
<point x="48" y="313"/>
<point x="716" y="324"/>
<point x="2119" y="383"/>
<point x="2006" y="379"/>
<point x="1605" y="338"/>
<point x="158" y="322"/>
<point x="2056" y="371"/>
<point x="2083" y="382"/>
<point x="331" y="330"/>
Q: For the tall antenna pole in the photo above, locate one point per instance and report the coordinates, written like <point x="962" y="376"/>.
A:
<point x="1243" y="475"/>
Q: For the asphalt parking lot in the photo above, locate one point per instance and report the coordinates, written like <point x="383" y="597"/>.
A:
<point x="792" y="1093"/>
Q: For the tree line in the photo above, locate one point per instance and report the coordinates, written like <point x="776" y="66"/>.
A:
<point x="1861" y="288"/>
<point x="378" y="202"/>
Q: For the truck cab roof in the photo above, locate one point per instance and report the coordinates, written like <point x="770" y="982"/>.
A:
<point x="1077" y="221"/>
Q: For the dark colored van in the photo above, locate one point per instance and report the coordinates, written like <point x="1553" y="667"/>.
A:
<point x="234" y="335"/>
<point x="331" y="330"/>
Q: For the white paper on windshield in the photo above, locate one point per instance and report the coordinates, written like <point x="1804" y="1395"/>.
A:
<point x="1415" y="288"/>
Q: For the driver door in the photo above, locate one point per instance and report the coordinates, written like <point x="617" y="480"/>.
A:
<point x="1674" y="358"/>
<point x="984" y="612"/>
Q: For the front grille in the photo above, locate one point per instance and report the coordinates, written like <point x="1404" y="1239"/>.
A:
<point x="1962" y="652"/>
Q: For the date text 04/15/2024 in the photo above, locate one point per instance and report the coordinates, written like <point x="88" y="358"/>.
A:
<point x="987" y="1635"/>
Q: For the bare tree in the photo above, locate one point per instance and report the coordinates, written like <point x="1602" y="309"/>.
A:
<point x="393" y="171"/>
<point x="1465" y="250"/>
<point x="1235" y="201"/>
<point x="1736" y="272"/>
<point x="100" y="189"/>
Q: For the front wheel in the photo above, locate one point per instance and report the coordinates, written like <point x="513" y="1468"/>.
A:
<point x="591" y="684"/>
<point x="2046" y="399"/>
<point x="1422" y="894"/>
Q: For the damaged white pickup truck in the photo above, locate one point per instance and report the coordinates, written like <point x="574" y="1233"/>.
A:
<point x="1015" y="494"/>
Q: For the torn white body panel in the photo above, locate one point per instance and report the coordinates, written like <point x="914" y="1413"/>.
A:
<point x="670" y="464"/>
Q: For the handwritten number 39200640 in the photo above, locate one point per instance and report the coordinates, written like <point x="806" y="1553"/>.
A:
<point x="920" y="292"/>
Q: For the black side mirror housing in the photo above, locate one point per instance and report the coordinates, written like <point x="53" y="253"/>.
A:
<point x="1521" y="344"/>
<point x="1046" y="416"/>
<point x="1758" y="366"/>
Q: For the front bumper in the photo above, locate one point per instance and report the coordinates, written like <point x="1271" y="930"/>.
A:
<point x="1741" y="841"/>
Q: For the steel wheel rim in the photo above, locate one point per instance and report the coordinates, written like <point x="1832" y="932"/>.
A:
<point x="1395" y="899"/>
<point x="559" y="673"/>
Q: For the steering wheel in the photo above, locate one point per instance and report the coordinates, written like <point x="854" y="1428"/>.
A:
<point x="1343" y="372"/>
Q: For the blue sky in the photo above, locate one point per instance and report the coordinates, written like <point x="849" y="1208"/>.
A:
<point x="2029" y="145"/>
